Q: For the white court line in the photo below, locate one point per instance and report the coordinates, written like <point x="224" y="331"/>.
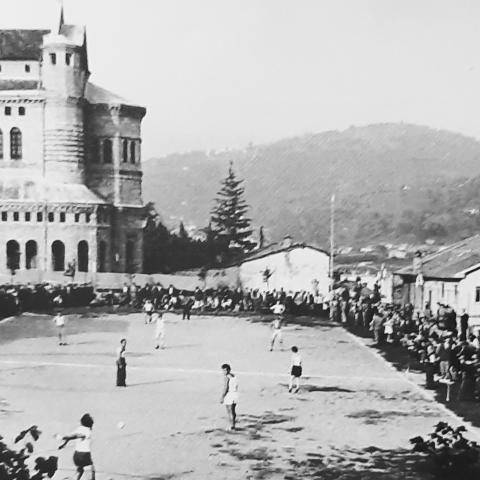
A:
<point x="428" y="395"/>
<point x="198" y="370"/>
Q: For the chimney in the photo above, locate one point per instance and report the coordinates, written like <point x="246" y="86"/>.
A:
<point x="417" y="263"/>
<point x="287" y="241"/>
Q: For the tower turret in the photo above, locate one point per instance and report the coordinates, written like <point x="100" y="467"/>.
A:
<point x="64" y="76"/>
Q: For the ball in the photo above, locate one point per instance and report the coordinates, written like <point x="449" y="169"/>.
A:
<point x="120" y="425"/>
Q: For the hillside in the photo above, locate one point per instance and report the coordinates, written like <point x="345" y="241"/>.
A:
<point x="392" y="182"/>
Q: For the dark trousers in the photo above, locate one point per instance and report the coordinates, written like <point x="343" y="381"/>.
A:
<point x="430" y="375"/>
<point x="121" y="372"/>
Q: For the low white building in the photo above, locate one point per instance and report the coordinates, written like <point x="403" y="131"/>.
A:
<point x="288" y="265"/>
<point x="450" y="276"/>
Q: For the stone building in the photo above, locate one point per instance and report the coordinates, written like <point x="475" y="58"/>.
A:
<point x="70" y="160"/>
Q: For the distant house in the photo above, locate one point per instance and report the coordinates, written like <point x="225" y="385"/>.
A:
<point x="450" y="276"/>
<point x="397" y="253"/>
<point x="291" y="266"/>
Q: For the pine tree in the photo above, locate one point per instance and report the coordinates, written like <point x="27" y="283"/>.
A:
<point x="229" y="220"/>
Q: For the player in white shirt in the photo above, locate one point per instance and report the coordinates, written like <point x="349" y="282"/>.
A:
<point x="148" y="309"/>
<point x="278" y="309"/>
<point x="82" y="457"/>
<point x="159" y="330"/>
<point x="230" y="394"/>
<point x="295" y="371"/>
<point x="59" y="321"/>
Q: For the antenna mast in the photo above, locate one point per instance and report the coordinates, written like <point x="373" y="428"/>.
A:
<point x="332" y="238"/>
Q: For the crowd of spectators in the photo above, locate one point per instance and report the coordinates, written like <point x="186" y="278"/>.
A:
<point x="440" y="342"/>
<point x="42" y="297"/>
<point x="15" y="298"/>
<point x="234" y="300"/>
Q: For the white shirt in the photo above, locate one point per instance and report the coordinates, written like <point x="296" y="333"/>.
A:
<point x="148" y="307"/>
<point x="83" y="444"/>
<point x="278" y="309"/>
<point x="296" y="360"/>
<point x="59" y="320"/>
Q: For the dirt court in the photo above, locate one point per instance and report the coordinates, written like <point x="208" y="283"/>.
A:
<point x="351" y="420"/>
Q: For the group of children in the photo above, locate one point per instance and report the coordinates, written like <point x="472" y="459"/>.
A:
<point x="82" y="456"/>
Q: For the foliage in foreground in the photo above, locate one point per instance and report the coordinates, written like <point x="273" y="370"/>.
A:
<point x="14" y="465"/>
<point x="452" y="455"/>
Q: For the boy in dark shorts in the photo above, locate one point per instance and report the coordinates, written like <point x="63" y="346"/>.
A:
<point x="82" y="457"/>
<point x="295" y="371"/>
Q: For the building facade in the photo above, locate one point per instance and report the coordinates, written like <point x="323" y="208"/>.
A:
<point x="449" y="277"/>
<point x="70" y="160"/>
<point x="293" y="267"/>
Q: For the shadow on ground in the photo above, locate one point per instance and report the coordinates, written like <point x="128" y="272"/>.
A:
<point x="399" y="357"/>
<point x="38" y="326"/>
<point x="256" y="446"/>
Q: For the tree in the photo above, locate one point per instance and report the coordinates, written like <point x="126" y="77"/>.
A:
<point x="228" y="217"/>
<point x="157" y="243"/>
<point x="182" y="233"/>
<point x="16" y="464"/>
<point x="261" y="238"/>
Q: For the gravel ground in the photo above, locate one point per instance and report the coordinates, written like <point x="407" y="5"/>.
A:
<point x="351" y="420"/>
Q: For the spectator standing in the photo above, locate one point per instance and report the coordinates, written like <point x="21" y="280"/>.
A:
<point x="464" y="325"/>
<point x="122" y="364"/>
<point x="377" y="325"/>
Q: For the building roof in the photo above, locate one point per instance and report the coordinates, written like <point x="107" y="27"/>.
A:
<point x="21" y="44"/>
<point x="275" y="248"/>
<point x="30" y="191"/>
<point x="98" y="95"/>
<point x="450" y="262"/>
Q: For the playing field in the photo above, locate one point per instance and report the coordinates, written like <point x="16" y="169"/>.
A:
<point x="353" y="412"/>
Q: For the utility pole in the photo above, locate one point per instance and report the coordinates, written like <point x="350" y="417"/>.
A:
<point x="332" y="238"/>
<point x="332" y="247"/>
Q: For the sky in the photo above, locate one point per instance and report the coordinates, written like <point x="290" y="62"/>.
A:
<point x="216" y="74"/>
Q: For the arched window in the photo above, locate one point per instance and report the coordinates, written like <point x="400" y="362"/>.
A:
<point x="102" y="256"/>
<point x="13" y="255"/>
<point x="31" y="251"/>
<point x="1" y="145"/>
<point x="133" y="152"/>
<point x="107" y="151"/>
<point x="82" y="253"/>
<point x="130" y="257"/>
<point x="58" y="256"/>
<point x="15" y="144"/>
<point x="125" y="151"/>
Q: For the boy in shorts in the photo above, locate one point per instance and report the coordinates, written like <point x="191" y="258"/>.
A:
<point x="82" y="457"/>
<point x="229" y="396"/>
<point x="295" y="371"/>
<point x="59" y="321"/>
<point x="148" y="309"/>
<point x="159" y="330"/>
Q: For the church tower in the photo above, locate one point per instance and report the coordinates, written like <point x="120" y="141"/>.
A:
<point x="64" y="75"/>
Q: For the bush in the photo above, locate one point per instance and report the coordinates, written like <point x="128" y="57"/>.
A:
<point x="452" y="455"/>
<point x="14" y="464"/>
